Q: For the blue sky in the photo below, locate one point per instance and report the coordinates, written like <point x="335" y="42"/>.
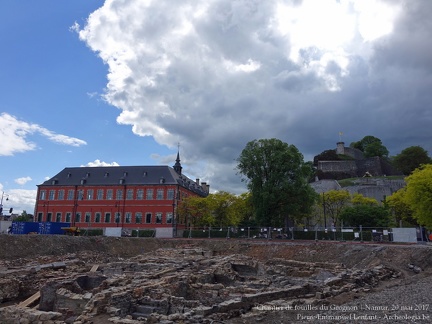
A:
<point x="122" y="82"/>
<point x="51" y="79"/>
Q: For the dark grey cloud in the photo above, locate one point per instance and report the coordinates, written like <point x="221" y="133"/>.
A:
<point x="216" y="74"/>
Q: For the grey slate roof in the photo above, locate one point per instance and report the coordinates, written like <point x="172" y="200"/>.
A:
<point x="123" y="175"/>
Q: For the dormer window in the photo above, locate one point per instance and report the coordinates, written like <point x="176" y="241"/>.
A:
<point x="83" y="181"/>
<point x="122" y="181"/>
<point x="106" y="174"/>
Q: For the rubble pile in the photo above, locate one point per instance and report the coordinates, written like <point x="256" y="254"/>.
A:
<point x="169" y="285"/>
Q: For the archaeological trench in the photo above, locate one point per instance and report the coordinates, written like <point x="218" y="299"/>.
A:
<point x="65" y="279"/>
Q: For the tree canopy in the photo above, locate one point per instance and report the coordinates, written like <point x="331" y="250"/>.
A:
<point x="418" y="194"/>
<point x="359" y="199"/>
<point x="218" y="209"/>
<point x="410" y="159"/>
<point x="365" y="215"/>
<point x="401" y="210"/>
<point x="371" y="146"/>
<point x="277" y="178"/>
<point x="333" y="202"/>
<point x="24" y="217"/>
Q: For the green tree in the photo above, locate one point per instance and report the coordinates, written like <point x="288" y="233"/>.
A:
<point x="218" y="209"/>
<point x="365" y="215"/>
<point x="410" y="159"/>
<point x="333" y="202"/>
<point x="418" y="194"/>
<point x="371" y="146"/>
<point x="226" y="208"/>
<point x="400" y="209"/>
<point x="244" y="207"/>
<point x="24" y="217"/>
<point x="276" y="176"/>
<point x="195" y="211"/>
<point x="359" y="199"/>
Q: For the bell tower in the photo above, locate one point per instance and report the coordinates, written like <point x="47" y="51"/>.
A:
<point x="177" y="166"/>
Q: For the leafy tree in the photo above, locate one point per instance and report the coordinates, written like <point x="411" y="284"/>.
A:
<point x="418" y="194"/>
<point x="226" y="209"/>
<point x="24" y="217"/>
<point x="333" y="202"/>
<point x="244" y="207"/>
<point x="195" y="211"/>
<point x="366" y="215"/>
<point x="359" y="199"/>
<point x="218" y="209"/>
<point x="276" y="176"/>
<point x="410" y="159"/>
<point x="371" y="146"/>
<point x="400" y="209"/>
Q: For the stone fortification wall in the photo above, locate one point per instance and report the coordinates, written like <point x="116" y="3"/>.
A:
<point x="378" y="189"/>
<point x="337" y="169"/>
<point x="349" y="151"/>
<point x="325" y="185"/>
<point x="376" y="166"/>
<point x="388" y="169"/>
<point x="371" y="165"/>
<point x="354" y="153"/>
<point x="338" y="166"/>
<point x="357" y="167"/>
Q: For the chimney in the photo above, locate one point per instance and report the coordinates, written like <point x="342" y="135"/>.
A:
<point x="205" y="186"/>
<point x="197" y="181"/>
<point x="340" y="148"/>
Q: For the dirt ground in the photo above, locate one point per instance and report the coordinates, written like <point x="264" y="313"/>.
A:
<point x="32" y="250"/>
<point x="358" y="255"/>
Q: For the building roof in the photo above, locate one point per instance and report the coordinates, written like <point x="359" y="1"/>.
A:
<point x="125" y="175"/>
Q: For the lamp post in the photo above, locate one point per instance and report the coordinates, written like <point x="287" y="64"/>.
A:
<point x="1" y="202"/>
<point x="324" y="209"/>
<point x="174" y="221"/>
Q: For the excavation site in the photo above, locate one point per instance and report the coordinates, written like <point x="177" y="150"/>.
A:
<point x="68" y="279"/>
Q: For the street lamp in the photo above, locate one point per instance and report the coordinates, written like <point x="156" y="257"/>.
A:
<point x="324" y="209"/>
<point x="1" y="202"/>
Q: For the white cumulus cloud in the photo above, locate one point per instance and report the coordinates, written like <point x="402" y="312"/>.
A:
<point x="14" y="134"/>
<point x="98" y="163"/>
<point x="23" y="180"/>
<point x="216" y="74"/>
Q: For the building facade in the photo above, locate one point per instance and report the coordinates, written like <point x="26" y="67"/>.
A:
<point x="130" y="197"/>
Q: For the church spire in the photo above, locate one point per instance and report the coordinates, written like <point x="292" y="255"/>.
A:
<point x="177" y="166"/>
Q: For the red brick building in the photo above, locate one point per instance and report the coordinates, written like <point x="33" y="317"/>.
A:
<point x="130" y="197"/>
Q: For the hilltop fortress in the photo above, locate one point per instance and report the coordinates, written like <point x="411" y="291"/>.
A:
<point x="355" y="165"/>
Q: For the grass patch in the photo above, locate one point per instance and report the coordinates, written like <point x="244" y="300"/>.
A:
<point x="347" y="182"/>
<point x="343" y="157"/>
<point x="352" y="181"/>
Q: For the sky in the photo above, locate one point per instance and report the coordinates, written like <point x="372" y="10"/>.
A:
<point x="131" y="82"/>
